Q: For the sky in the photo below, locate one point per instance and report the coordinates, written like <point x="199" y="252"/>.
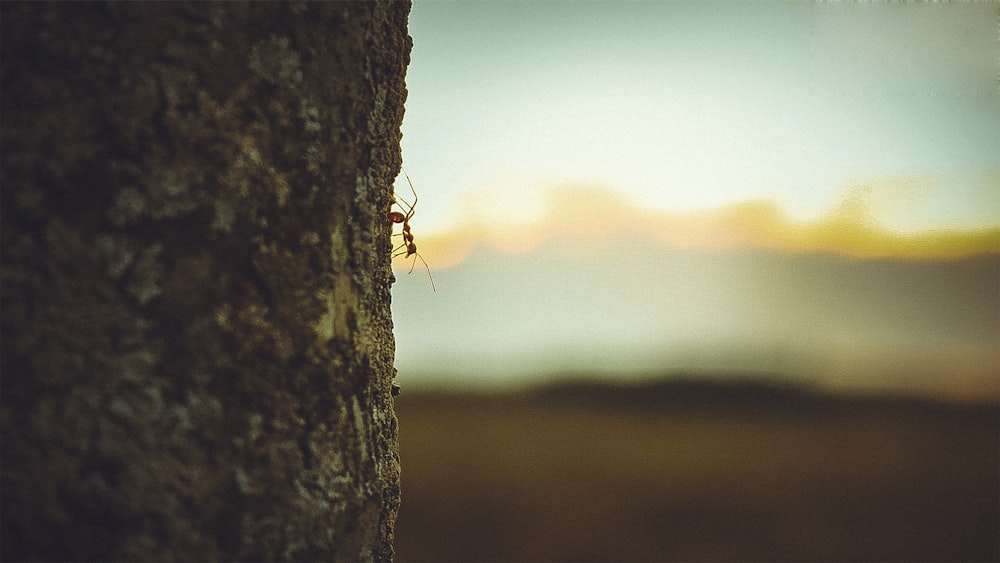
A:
<point x="600" y="185"/>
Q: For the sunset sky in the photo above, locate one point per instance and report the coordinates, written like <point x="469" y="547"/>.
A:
<point x="804" y="188"/>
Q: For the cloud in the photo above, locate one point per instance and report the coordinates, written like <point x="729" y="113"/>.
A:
<point x="589" y="219"/>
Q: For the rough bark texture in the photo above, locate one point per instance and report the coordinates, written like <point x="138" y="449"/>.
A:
<point x="197" y="343"/>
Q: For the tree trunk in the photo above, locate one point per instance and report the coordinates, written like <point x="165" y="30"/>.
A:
<point x="197" y="343"/>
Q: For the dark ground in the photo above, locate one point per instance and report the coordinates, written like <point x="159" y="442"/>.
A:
<point x="682" y="469"/>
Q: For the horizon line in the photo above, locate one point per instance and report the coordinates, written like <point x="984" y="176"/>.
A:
<point x="593" y="216"/>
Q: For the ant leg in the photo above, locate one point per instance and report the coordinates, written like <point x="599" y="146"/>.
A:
<point x="409" y="208"/>
<point x="429" y="276"/>
<point x="411" y="187"/>
<point x="403" y="247"/>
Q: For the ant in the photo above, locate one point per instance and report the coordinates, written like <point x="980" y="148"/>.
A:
<point x="409" y="248"/>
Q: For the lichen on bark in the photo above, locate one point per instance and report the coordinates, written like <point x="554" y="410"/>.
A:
<point x="197" y="345"/>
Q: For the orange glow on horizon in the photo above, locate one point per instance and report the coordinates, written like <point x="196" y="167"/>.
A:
<point x="589" y="218"/>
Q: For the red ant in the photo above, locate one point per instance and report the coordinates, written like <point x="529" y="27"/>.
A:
<point x="409" y="248"/>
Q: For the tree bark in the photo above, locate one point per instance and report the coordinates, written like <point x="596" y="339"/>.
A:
<point x="197" y="343"/>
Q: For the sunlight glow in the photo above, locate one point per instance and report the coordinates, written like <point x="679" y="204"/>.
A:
<point x="590" y="217"/>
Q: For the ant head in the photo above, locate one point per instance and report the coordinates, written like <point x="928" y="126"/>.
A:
<point x="396" y="217"/>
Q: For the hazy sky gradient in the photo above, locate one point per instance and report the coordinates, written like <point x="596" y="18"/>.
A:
<point x="692" y="105"/>
<point x="796" y="187"/>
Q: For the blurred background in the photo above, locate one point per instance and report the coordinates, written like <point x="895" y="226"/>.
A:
<point x="714" y="281"/>
<point x="694" y="469"/>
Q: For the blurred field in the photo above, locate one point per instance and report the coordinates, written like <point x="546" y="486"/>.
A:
<point x="686" y="470"/>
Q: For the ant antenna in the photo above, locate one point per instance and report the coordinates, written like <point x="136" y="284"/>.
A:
<point x="408" y="248"/>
